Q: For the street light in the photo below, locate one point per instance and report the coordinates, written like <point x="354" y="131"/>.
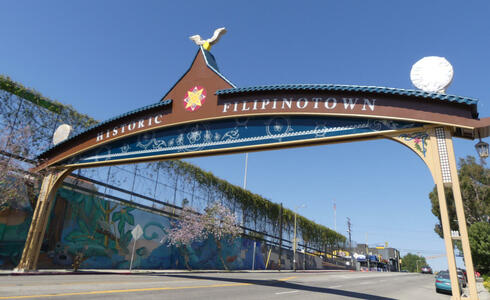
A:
<point x="482" y="149"/>
<point x="294" y="240"/>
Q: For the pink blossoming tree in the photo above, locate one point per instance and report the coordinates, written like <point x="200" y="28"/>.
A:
<point x="217" y="221"/>
<point x="220" y="223"/>
<point x="189" y="229"/>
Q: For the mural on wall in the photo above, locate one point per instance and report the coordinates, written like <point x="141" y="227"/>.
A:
<point x="14" y="225"/>
<point x="101" y="231"/>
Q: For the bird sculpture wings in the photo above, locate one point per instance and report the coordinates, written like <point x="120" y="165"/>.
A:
<point x="211" y="41"/>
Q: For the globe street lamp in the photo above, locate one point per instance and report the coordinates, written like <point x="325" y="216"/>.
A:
<point x="294" y="240"/>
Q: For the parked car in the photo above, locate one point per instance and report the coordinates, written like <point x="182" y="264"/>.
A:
<point x="426" y="270"/>
<point x="443" y="283"/>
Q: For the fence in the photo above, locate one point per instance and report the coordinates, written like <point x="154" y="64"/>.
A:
<point x="161" y="187"/>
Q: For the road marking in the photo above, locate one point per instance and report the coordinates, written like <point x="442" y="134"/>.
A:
<point x="289" y="292"/>
<point x="126" y="291"/>
<point x="287" y="278"/>
<point x="334" y="286"/>
<point x="94" y="282"/>
<point x="368" y="282"/>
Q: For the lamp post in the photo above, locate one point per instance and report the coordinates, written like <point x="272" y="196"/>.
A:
<point x="294" y="239"/>
<point x="482" y="149"/>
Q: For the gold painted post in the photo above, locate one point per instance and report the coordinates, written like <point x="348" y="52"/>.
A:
<point x="436" y="159"/>
<point x="294" y="244"/>
<point x="439" y="152"/>
<point x="30" y="255"/>
<point x="458" y="201"/>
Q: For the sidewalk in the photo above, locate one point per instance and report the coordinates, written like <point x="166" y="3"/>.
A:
<point x="136" y="271"/>
<point x="483" y="293"/>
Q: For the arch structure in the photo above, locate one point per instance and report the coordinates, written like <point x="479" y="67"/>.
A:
<point x="205" y="114"/>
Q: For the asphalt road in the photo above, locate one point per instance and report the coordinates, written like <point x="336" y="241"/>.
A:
<point x="213" y="286"/>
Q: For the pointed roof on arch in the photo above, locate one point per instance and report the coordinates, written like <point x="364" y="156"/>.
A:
<point x="203" y="58"/>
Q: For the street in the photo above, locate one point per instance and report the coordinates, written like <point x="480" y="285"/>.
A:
<point x="269" y="285"/>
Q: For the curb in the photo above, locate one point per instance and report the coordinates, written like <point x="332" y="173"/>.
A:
<point x="152" y="272"/>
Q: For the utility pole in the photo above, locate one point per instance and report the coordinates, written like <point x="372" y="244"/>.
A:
<point x="244" y="187"/>
<point x="294" y="244"/>
<point x="294" y="240"/>
<point x="349" y="230"/>
<point x="280" y="236"/>
<point x="245" y="175"/>
<point x="335" y="215"/>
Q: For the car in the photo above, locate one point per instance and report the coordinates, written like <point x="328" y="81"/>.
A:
<point x="426" y="270"/>
<point x="443" y="283"/>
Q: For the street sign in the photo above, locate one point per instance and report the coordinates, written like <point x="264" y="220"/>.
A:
<point x="137" y="232"/>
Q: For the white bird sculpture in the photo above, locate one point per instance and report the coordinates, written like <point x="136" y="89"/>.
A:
<point x="211" y="41"/>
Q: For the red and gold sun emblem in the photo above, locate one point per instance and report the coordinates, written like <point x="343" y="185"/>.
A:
<point x="195" y="98"/>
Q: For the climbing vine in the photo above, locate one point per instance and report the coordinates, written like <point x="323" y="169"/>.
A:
<point x="314" y="234"/>
<point x="26" y="108"/>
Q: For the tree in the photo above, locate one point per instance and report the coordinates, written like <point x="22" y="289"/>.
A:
<point x="479" y="235"/>
<point x="217" y="221"/>
<point x="474" y="181"/>
<point x="188" y="229"/>
<point x="221" y="224"/>
<point x="412" y="262"/>
<point x="16" y="184"/>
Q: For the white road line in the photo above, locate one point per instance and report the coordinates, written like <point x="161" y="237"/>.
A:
<point x="334" y="286"/>
<point x="289" y="292"/>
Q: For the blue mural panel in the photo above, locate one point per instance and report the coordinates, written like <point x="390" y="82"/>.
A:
<point x="233" y="133"/>
<point x="101" y="231"/>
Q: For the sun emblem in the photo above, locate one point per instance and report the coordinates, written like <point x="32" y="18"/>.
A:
<point x="195" y="98"/>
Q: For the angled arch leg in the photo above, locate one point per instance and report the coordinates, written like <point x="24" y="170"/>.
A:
<point x="432" y="147"/>
<point x="30" y="254"/>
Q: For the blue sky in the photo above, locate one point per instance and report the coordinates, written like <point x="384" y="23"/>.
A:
<point x="108" y="57"/>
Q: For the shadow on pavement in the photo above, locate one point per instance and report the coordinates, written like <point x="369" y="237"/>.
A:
<point x="284" y="284"/>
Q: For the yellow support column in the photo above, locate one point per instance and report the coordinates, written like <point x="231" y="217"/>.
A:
<point x="30" y="255"/>
<point x="458" y="201"/>
<point x="440" y="168"/>
<point x="431" y="147"/>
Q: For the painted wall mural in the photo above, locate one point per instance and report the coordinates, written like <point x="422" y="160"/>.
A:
<point x="101" y="231"/>
<point x="232" y="133"/>
<point x="14" y="225"/>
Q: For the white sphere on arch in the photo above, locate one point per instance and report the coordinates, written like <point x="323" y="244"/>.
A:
<point x="61" y="133"/>
<point x="432" y="74"/>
